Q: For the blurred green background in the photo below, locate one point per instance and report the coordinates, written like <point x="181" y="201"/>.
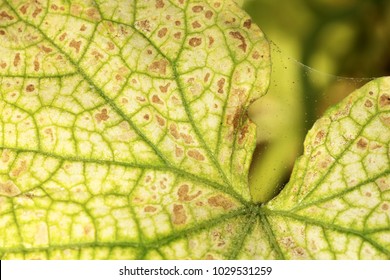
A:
<point x="321" y="51"/>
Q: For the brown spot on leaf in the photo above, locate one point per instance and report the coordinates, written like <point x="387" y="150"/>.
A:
<point x="177" y="35"/>
<point x="319" y="137"/>
<point x="159" y="4"/>
<point x="237" y="35"/>
<point x="209" y="14"/>
<point x="385" y="206"/>
<point x="195" y="42"/>
<point x="110" y="46"/>
<point x="49" y="132"/>
<point x="97" y="55"/>
<point x="385" y="120"/>
<point x="197" y="9"/>
<point x="299" y="252"/>
<point x="256" y="55"/>
<point x="75" y="44"/>
<point x="217" y="4"/>
<point x="179" y="152"/>
<point x="211" y="41"/>
<point x="206" y="77"/>
<point x="140" y="98"/>
<point x="362" y="143"/>
<point x="2" y="32"/>
<point x="19" y="170"/>
<point x="54" y="7"/>
<point x="195" y="154"/>
<point x="5" y="156"/>
<point x="83" y="28"/>
<point x="23" y="9"/>
<point x="173" y="131"/>
<point x="368" y="194"/>
<point x="196" y="24"/>
<point x="63" y="36"/>
<point x="9" y="189"/>
<point x="30" y="88"/>
<point x="220" y="201"/>
<point x="160" y="120"/>
<point x="233" y="20"/>
<point x="102" y="116"/>
<point x="248" y="23"/>
<point x="75" y="9"/>
<point x="17" y="59"/>
<point x="157" y="100"/>
<point x="46" y="49"/>
<point x="183" y="193"/>
<point x="164" y="89"/>
<point x="144" y="25"/>
<point x="187" y="138"/>
<point x="4" y="15"/>
<point x="159" y="66"/>
<point x="235" y="118"/>
<point x="368" y="103"/>
<point x="36" y="65"/>
<point x="146" y="117"/>
<point x="36" y="12"/>
<point x="179" y="215"/>
<point x="243" y="132"/>
<point x="162" y="32"/>
<point x="150" y="209"/>
<point x="93" y="14"/>
<point x="221" y="84"/>
<point x="383" y="184"/>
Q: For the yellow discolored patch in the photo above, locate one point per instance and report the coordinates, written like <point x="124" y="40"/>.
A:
<point x="20" y="169"/>
<point x="5" y="156"/>
<point x="9" y="189"/>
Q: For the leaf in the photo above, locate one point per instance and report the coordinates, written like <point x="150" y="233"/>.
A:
<point x="123" y="128"/>
<point x="124" y="136"/>
<point x="337" y="204"/>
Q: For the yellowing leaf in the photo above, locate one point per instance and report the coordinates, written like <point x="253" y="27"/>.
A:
<point x="123" y="128"/>
<point x="337" y="204"/>
<point x="124" y="135"/>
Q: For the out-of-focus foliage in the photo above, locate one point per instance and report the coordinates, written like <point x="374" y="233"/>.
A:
<point x="315" y="43"/>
